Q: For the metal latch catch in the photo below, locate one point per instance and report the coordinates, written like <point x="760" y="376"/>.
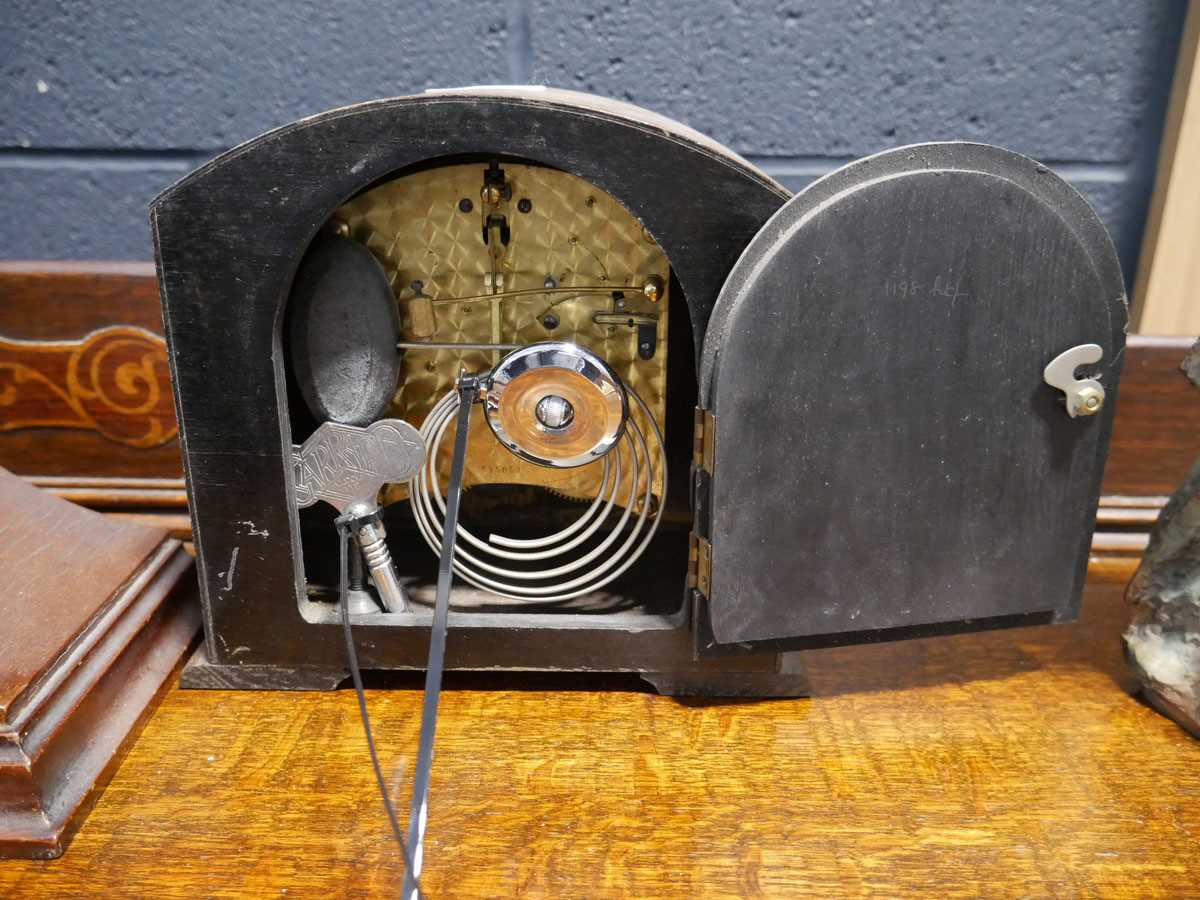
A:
<point x="1084" y="396"/>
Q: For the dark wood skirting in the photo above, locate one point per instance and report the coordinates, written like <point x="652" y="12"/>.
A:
<point x="1155" y="443"/>
<point x="1156" y="435"/>
<point x="86" y="410"/>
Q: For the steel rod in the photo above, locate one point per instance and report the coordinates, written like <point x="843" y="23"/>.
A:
<point x="419" y="814"/>
<point x="451" y="345"/>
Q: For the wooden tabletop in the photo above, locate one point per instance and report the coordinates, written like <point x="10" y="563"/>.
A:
<point x="1012" y="763"/>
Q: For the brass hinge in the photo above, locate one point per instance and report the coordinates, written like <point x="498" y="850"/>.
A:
<point x="704" y="440"/>
<point x="699" y="563"/>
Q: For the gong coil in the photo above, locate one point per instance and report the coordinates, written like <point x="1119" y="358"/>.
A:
<point x="556" y="404"/>
<point x="580" y="558"/>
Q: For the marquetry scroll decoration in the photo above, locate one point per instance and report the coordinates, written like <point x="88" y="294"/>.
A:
<point x="114" y="381"/>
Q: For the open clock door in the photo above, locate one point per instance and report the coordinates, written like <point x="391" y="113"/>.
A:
<point x="879" y="453"/>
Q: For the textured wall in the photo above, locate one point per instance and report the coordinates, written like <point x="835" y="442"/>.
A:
<point x="104" y="103"/>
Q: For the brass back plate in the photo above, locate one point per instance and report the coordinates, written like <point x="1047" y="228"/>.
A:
<point x="569" y="233"/>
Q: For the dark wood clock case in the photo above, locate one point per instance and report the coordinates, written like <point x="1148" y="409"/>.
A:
<point x="875" y="453"/>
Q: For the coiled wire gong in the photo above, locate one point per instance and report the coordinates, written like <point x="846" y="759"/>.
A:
<point x="559" y="566"/>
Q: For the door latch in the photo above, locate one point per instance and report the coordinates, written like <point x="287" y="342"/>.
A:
<point x="1085" y="396"/>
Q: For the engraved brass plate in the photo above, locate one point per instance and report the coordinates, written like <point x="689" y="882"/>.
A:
<point x="570" y="247"/>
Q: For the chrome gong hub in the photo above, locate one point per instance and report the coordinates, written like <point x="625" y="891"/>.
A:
<point x="554" y="412"/>
<point x="556" y="404"/>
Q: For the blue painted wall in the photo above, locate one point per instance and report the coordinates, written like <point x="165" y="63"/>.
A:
<point x="102" y="104"/>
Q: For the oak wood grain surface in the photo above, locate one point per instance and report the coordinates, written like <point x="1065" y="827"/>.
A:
<point x="1002" y="764"/>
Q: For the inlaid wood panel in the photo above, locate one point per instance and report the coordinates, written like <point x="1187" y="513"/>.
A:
<point x="84" y="384"/>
